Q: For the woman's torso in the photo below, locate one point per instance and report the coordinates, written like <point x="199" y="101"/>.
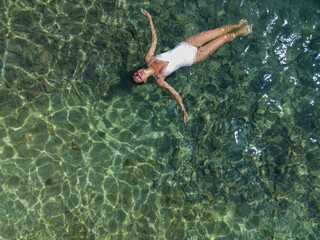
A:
<point x="180" y="56"/>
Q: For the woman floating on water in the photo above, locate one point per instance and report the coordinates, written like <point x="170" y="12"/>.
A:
<point x="195" y="49"/>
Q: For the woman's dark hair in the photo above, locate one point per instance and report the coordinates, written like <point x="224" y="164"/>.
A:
<point x="140" y="83"/>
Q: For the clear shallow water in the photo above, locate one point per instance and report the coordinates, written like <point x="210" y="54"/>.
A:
<point x="87" y="155"/>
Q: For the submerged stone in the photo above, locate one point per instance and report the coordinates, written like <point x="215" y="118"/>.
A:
<point x="125" y="136"/>
<point x="7" y="152"/>
<point x="221" y="229"/>
<point x="14" y="181"/>
<point x="94" y="15"/>
<point x="14" y="46"/>
<point x="127" y="163"/>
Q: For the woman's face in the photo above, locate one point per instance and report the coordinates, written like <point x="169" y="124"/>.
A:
<point x="140" y="76"/>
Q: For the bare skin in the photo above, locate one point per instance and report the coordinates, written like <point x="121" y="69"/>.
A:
<point x="206" y="42"/>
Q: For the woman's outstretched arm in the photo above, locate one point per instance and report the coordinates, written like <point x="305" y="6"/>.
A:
<point x="160" y="81"/>
<point x="153" y="46"/>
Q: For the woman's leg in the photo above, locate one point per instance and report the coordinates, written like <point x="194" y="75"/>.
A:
<point x="200" y="39"/>
<point x="209" y="48"/>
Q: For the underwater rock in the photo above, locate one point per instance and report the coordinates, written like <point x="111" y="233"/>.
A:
<point x="145" y="114"/>
<point x="221" y="229"/>
<point x="174" y="162"/>
<point x="216" y="143"/>
<point x="127" y="197"/>
<point x="112" y="189"/>
<point x="95" y="179"/>
<point x="93" y="15"/>
<point x="42" y="57"/>
<point x="127" y="163"/>
<point x="76" y="147"/>
<point x="77" y="13"/>
<point x="43" y="85"/>
<point x="188" y="213"/>
<point x="53" y="144"/>
<point x="48" y="182"/>
<point x="131" y="179"/>
<point x="8" y="152"/>
<point x="74" y="116"/>
<point x="10" y="77"/>
<point x="31" y="93"/>
<point x="220" y="14"/>
<point x="315" y="172"/>
<point x="314" y="166"/>
<point x="75" y="29"/>
<point x="43" y="160"/>
<point x="175" y="230"/>
<point x="46" y="171"/>
<point x="223" y="51"/>
<point x="9" y="100"/>
<point x="101" y="134"/>
<point x="302" y="170"/>
<point x="3" y="132"/>
<point x="47" y="20"/>
<point x="125" y="136"/>
<point x="139" y="173"/>
<point x="237" y="70"/>
<point x="24" y="18"/>
<point x="14" y="46"/>
<point x="179" y="17"/>
<point x="243" y="211"/>
<point x="14" y="181"/>
<point x="50" y="208"/>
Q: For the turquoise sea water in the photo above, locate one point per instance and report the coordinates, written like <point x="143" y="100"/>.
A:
<point x="85" y="154"/>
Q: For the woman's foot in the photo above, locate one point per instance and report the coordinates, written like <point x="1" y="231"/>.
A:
<point x="245" y="30"/>
<point x="234" y="28"/>
<point x="241" y="23"/>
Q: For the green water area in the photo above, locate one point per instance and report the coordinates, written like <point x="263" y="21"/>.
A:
<point x="86" y="154"/>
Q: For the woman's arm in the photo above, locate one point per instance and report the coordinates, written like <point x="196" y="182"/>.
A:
<point x="160" y="81"/>
<point x="153" y="46"/>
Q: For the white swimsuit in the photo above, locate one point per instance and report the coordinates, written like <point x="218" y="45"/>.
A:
<point x="181" y="55"/>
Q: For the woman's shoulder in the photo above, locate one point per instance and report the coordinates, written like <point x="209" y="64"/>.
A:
<point x="150" y="59"/>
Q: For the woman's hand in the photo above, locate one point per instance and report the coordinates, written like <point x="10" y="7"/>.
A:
<point x="144" y="12"/>
<point x="185" y="116"/>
